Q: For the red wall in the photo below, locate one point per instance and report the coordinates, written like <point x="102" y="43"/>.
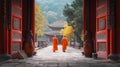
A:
<point x="117" y="33"/>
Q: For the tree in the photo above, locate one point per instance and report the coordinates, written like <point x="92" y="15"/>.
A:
<point x="67" y="31"/>
<point x="68" y="12"/>
<point x="40" y="21"/>
<point x="73" y="13"/>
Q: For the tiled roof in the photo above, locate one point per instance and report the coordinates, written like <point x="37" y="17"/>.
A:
<point x="53" y="33"/>
<point x="58" y="24"/>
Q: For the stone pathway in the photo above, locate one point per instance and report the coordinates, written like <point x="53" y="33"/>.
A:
<point x="46" y="58"/>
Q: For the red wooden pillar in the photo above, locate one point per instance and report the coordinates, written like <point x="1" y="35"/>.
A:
<point x="112" y="44"/>
<point x="89" y="26"/>
<point x="114" y="6"/>
<point x="93" y="23"/>
<point x="33" y="19"/>
<point x="28" y="19"/>
<point x="5" y="28"/>
<point x="24" y="20"/>
<point x="111" y="20"/>
<point x="111" y="25"/>
<point x="84" y="14"/>
<point x="117" y="29"/>
<point x="86" y="11"/>
<point x="2" y="24"/>
<point x="28" y="26"/>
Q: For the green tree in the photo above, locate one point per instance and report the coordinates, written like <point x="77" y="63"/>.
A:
<point x="73" y="14"/>
<point x="68" y="12"/>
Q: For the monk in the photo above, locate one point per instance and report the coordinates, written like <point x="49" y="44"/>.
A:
<point x="64" y="42"/>
<point x="55" y="43"/>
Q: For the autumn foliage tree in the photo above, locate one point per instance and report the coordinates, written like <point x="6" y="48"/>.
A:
<point x="40" y="21"/>
<point x="67" y="31"/>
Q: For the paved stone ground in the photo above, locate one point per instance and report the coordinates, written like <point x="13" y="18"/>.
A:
<point x="71" y="58"/>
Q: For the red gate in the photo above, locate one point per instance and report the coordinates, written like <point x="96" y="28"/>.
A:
<point x="16" y="26"/>
<point x="101" y="29"/>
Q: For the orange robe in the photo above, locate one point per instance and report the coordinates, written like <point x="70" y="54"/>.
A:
<point x="64" y="43"/>
<point x="55" y="43"/>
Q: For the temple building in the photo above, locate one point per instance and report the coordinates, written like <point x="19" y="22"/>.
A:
<point x="55" y="29"/>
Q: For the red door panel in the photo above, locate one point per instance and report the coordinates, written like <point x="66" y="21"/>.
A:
<point x="101" y="29"/>
<point x="16" y="26"/>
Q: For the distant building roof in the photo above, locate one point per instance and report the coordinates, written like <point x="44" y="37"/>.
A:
<point x="52" y="33"/>
<point x="56" y="27"/>
<point x="57" y="24"/>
